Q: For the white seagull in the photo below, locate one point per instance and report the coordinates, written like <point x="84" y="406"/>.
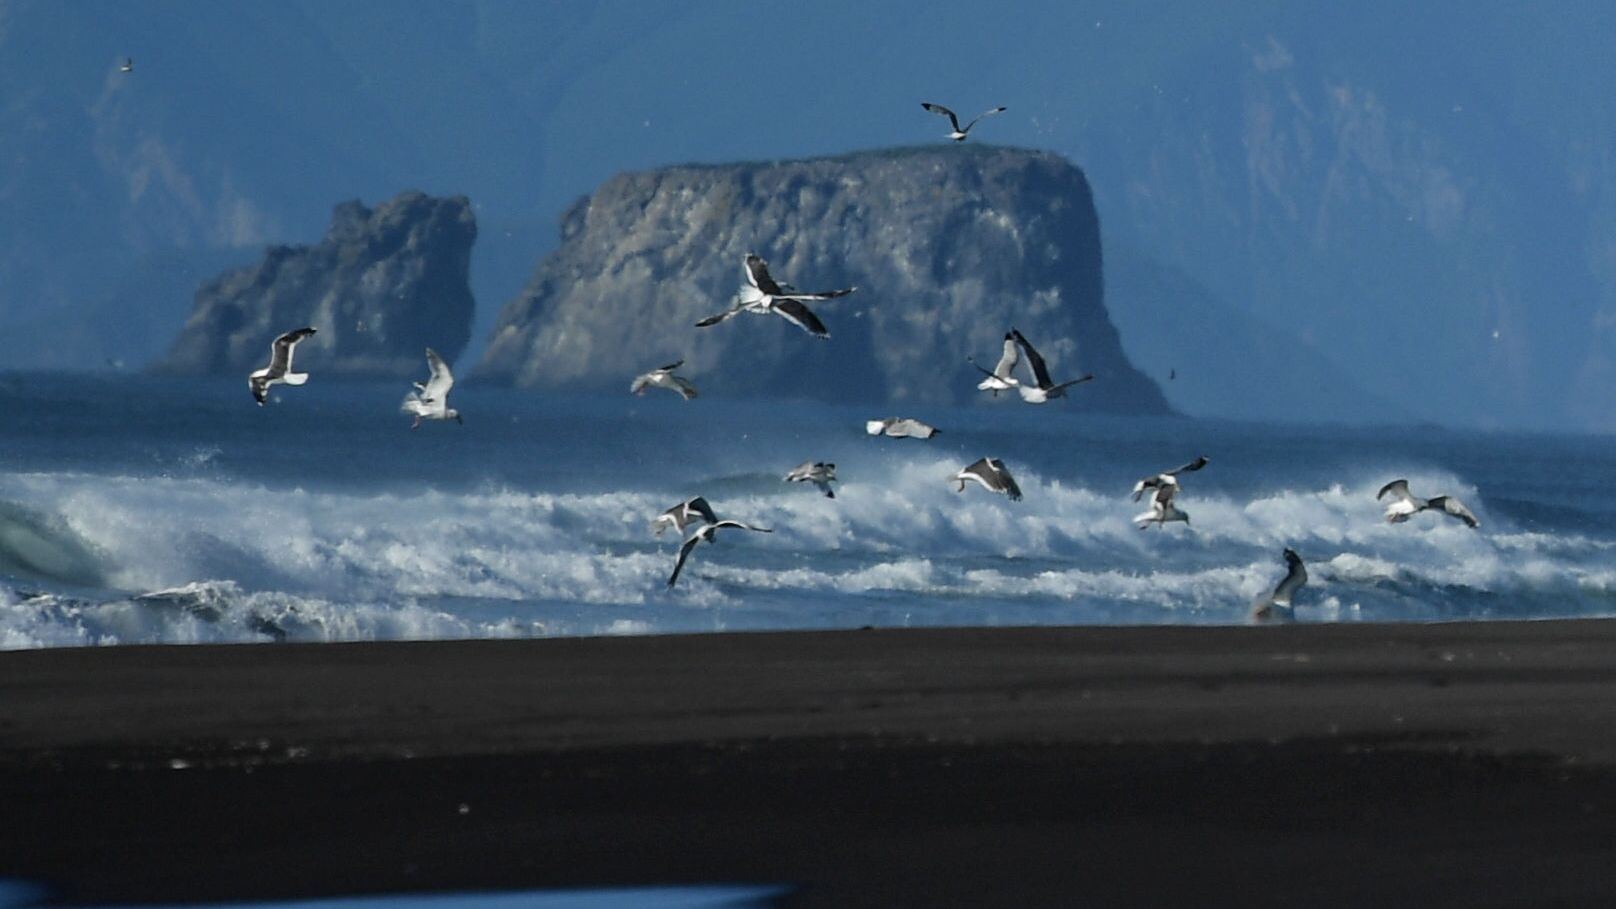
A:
<point x="993" y="476"/>
<point x="1001" y="378"/>
<point x="663" y="377"/>
<point x="706" y="532"/>
<point x="1166" y="477"/>
<point x="762" y="294"/>
<point x="1162" y="510"/>
<point x="1405" y="505"/>
<point x="431" y="400"/>
<point x="900" y="428"/>
<point x="279" y="370"/>
<point x="819" y="473"/>
<point x="960" y="132"/>
<point x="683" y="514"/>
<point x="1043" y="389"/>
<point x="1278" y="606"/>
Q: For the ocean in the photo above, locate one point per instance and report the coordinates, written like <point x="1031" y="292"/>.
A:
<point x="138" y="509"/>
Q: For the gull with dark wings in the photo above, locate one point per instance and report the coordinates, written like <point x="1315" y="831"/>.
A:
<point x="900" y="428"/>
<point x="1405" y="505"/>
<point x="683" y="514"/>
<point x="707" y="532"/>
<point x="279" y="370"/>
<point x="1043" y="389"/>
<point x="992" y="475"/>
<point x="761" y="294"/>
<point x="1162" y="510"/>
<point x="663" y="377"/>
<point x="1278" y="606"/>
<point x="1166" y="477"/>
<point x="819" y="473"/>
<point x="960" y="132"/>
<point x="430" y="401"/>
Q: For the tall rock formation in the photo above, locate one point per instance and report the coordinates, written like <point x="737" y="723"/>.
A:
<point x="384" y="284"/>
<point x="950" y="247"/>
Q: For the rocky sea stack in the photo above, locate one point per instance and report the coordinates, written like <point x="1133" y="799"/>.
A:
<point x="383" y="285"/>
<point x="949" y="246"/>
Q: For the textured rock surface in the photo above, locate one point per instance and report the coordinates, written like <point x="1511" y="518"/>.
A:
<point x="949" y="246"/>
<point x="383" y="285"/>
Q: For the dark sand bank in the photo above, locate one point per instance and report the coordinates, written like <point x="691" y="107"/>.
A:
<point x="1465" y="764"/>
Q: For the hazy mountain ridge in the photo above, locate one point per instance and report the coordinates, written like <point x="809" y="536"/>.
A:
<point x="950" y="247"/>
<point x="383" y="285"/>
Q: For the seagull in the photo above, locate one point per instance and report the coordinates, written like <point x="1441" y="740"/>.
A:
<point x="431" y="400"/>
<point x="761" y="294"/>
<point x="706" y="532"/>
<point x="663" y="377"/>
<point x="1166" y="477"/>
<point x="818" y="473"/>
<point x="1405" y="505"/>
<point x="1000" y="379"/>
<point x="993" y="476"/>
<point x="1162" y="510"/>
<point x="279" y="370"/>
<point x="682" y="514"/>
<point x="959" y="134"/>
<point x="128" y="65"/>
<point x="1277" y="606"/>
<point x="1044" y="390"/>
<point x="900" y="428"/>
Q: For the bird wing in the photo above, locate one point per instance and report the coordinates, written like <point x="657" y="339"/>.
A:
<point x="280" y="350"/>
<point x="817" y="295"/>
<point x="715" y="319"/>
<point x="800" y="316"/>
<point x="939" y="109"/>
<point x="1007" y="359"/>
<point x="986" y="113"/>
<point x="1150" y="482"/>
<point x="640" y="381"/>
<point x="699" y="506"/>
<point x="909" y="427"/>
<point x="684" y="553"/>
<point x="1006" y="482"/>
<point x="1192" y="466"/>
<point x="799" y="473"/>
<point x="1068" y="384"/>
<point x="1040" y="373"/>
<point x="1294" y="578"/>
<point x="686" y="390"/>
<point x="437" y="387"/>
<point x="728" y="523"/>
<point x="1398" y="489"/>
<point x="757" y="275"/>
<point x="1454" y="507"/>
<point x="671" y="366"/>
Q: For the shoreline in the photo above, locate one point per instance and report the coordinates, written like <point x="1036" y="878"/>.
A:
<point x="1409" y="764"/>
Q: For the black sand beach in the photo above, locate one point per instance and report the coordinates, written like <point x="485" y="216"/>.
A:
<point x="1462" y="764"/>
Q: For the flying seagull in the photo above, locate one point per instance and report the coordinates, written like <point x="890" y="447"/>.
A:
<point x="762" y="294"/>
<point x="1043" y="389"/>
<point x="279" y="370"/>
<point x="818" y="473"/>
<point x="681" y="515"/>
<point x="993" y="476"/>
<point x="959" y="133"/>
<point x="1162" y="510"/>
<point x="663" y="377"/>
<point x="1405" y="505"/>
<point x="1277" y="606"/>
<point x="431" y="400"/>
<point x="706" y="532"/>
<point x="1166" y="477"/>
<point x="900" y="428"/>
<point x="128" y="65"/>
<point x="1001" y="378"/>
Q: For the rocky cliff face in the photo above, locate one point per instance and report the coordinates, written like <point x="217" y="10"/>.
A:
<point x="949" y="248"/>
<point x="383" y="285"/>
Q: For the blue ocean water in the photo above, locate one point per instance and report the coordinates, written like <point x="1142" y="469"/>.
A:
<point x="143" y="509"/>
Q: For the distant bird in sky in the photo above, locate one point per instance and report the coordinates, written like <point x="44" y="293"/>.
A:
<point x="1162" y="510"/>
<point x="960" y="132"/>
<point x="663" y="377"/>
<point x="431" y="400"/>
<point x="819" y="473"/>
<point x="707" y="532"/>
<point x="992" y="474"/>
<point x="683" y="514"/>
<point x="1002" y="377"/>
<point x="900" y="428"/>
<point x="1043" y="389"/>
<point x="762" y="294"/>
<point x="1278" y="606"/>
<point x="1405" y="505"/>
<point x="1167" y="477"/>
<point x="1172" y="374"/>
<point x="279" y="370"/>
<point x="128" y="65"/>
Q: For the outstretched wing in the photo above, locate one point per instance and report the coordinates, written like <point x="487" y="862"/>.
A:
<point x="939" y="109"/>
<point x="1456" y="508"/>
<point x="1006" y="481"/>
<point x="1397" y="489"/>
<point x="715" y="319"/>
<point x="986" y="113"/>
<point x="800" y="316"/>
<point x="280" y="350"/>
<point x="699" y="506"/>
<point x="1194" y="465"/>
<point x="820" y="295"/>
<point x="728" y="523"/>
<point x="437" y="387"/>
<point x="1068" y="384"/>
<point x="1040" y="373"/>
<point x="757" y="275"/>
<point x="1007" y="359"/>
<point x="684" y="553"/>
